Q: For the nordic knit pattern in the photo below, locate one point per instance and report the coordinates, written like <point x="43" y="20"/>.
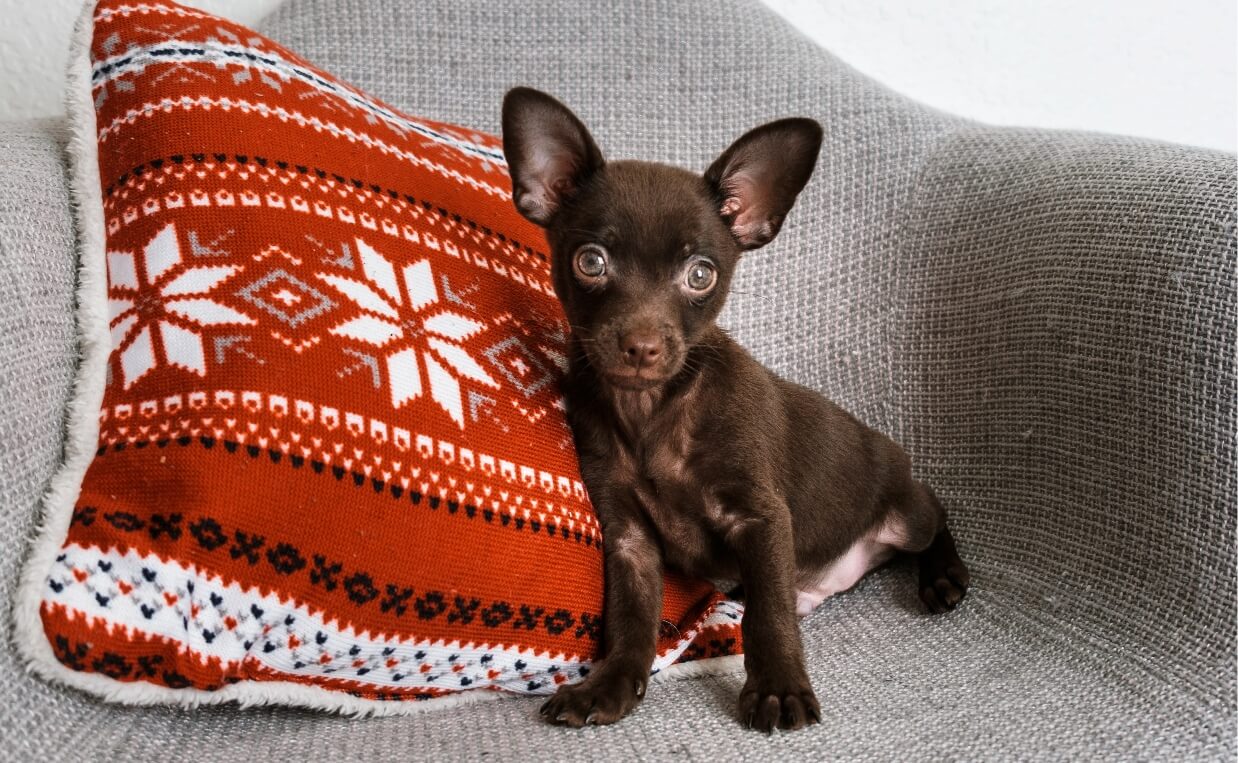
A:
<point x="332" y="450"/>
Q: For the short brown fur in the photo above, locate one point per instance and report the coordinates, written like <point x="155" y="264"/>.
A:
<point x="695" y="456"/>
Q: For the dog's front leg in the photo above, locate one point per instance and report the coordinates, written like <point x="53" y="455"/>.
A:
<point x="630" y="621"/>
<point x="777" y="692"/>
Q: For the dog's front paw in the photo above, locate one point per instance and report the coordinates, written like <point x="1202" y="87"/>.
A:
<point x="604" y="697"/>
<point x="783" y="703"/>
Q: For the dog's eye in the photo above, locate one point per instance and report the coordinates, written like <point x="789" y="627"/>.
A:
<point x="700" y="276"/>
<point x="590" y="262"/>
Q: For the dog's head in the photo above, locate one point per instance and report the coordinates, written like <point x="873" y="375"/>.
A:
<point x="643" y="253"/>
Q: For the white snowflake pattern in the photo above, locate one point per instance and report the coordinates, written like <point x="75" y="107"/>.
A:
<point x="154" y="304"/>
<point x="420" y="338"/>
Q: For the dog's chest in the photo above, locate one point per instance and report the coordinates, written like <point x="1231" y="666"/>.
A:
<point x="670" y="484"/>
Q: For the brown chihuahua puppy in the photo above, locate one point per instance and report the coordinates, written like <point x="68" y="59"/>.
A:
<point x="695" y="455"/>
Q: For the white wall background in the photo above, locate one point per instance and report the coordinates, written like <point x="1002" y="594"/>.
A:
<point x="1163" y="69"/>
<point x="1157" y="68"/>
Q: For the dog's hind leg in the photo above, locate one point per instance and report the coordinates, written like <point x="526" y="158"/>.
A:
<point x="944" y="578"/>
<point x="912" y="521"/>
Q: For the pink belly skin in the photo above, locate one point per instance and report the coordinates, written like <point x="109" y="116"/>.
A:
<point x="872" y="550"/>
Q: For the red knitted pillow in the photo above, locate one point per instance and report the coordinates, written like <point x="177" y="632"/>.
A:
<point x="321" y="453"/>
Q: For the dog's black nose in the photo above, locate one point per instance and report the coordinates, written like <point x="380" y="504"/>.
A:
<point x="641" y="348"/>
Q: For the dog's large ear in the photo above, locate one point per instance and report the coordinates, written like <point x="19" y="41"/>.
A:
<point x="757" y="179"/>
<point x="549" y="152"/>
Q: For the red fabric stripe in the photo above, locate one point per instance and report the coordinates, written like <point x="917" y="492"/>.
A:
<point x="131" y="656"/>
<point x="319" y="515"/>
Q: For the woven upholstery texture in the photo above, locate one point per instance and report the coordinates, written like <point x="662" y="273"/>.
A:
<point x="37" y="334"/>
<point x="1046" y="320"/>
<point x="37" y="362"/>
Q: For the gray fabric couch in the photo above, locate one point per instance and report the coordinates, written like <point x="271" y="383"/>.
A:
<point x="1045" y="319"/>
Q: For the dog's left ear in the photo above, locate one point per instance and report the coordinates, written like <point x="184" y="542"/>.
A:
<point x="757" y="179"/>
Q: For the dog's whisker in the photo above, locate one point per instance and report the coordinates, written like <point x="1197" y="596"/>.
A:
<point x="757" y="295"/>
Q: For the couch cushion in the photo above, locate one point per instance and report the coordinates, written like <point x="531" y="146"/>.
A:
<point x="331" y="463"/>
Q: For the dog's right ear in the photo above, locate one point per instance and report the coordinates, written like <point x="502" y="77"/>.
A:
<point x="549" y="152"/>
